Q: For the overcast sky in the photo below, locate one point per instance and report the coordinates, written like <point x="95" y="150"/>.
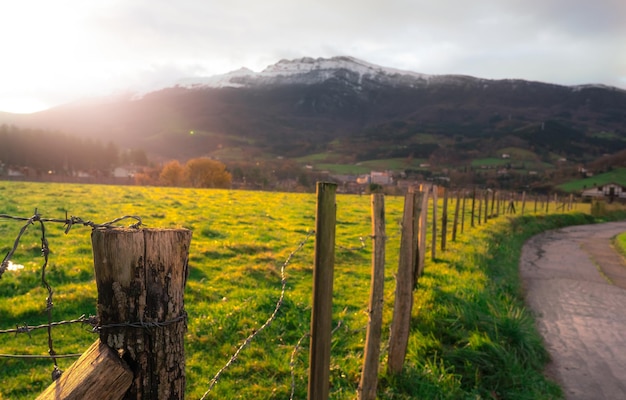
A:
<point x="55" y="52"/>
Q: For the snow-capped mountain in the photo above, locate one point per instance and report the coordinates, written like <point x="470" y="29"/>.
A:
<point x="363" y="111"/>
<point x="311" y="71"/>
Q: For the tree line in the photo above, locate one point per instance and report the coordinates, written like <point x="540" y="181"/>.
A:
<point x="198" y="173"/>
<point x="59" y="153"/>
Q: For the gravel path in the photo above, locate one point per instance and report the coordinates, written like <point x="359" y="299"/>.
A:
<point x="575" y="283"/>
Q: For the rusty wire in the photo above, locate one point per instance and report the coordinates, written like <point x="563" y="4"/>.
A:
<point x="272" y="317"/>
<point x="45" y="252"/>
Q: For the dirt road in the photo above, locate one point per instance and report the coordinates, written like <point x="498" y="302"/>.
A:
<point x="575" y="283"/>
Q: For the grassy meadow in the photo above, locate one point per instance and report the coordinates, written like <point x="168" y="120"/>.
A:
<point x="471" y="336"/>
<point x="618" y="175"/>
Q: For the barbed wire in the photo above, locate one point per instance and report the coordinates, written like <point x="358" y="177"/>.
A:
<point x="292" y="359"/>
<point x="69" y="222"/>
<point x="292" y="363"/>
<point x="361" y="247"/>
<point x="272" y="317"/>
<point x="45" y="252"/>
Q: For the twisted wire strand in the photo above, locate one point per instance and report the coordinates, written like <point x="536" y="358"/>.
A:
<point x="272" y="317"/>
<point x="45" y="252"/>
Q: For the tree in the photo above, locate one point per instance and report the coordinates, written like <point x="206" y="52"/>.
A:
<point x="207" y="173"/>
<point x="172" y="174"/>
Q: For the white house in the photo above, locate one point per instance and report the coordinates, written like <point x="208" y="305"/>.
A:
<point x="609" y="190"/>
<point x="381" y="178"/>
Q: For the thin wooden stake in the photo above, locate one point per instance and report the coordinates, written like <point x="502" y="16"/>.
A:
<point x="463" y="212"/>
<point x="406" y="279"/>
<point x="486" y="206"/>
<point x="456" y="215"/>
<point x="321" y="313"/>
<point x="369" y="376"/>
<point x="433" y="250"/>
<point x="421" y="231"/>
<point x="480" y="210"/>
<point x="473" y="206"/>
<point x="444" y="220"/>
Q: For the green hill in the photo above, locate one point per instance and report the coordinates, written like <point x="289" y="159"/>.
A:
<point x="617" y="175"/>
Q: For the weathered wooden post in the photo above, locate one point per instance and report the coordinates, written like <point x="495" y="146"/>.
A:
<point x="480" y="209"/>
<point x="473" y="209"/>
<point x="444" y="220"/>
<point x="486" y="206"/>
<point x="456" y="215"/>
<point x="321" y="313"/>
<point x="422" y="227"/>
<point x="463" y="212"/>
<point x="493" y="203"/>
<point x="406" y="279"/>
<point x="141" y="276"/>
<point x="99" y="373"/>
<point x="523" y="201"/>
<point x="369" y="375"/>
<point x="433" y="247"/>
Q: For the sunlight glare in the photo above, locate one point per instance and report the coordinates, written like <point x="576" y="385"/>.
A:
<point x="22" y="105"/>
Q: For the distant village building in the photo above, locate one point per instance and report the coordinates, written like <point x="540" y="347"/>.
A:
<point x="14" y="172"/>
<point x="381" y="178"/>
<point x="609" y="191"/>
<point x="124" y="172"/>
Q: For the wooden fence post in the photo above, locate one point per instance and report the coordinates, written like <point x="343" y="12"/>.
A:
<point x="369" y="375"/>
<point x="456" y="215"/>
<point x="480" y="209"/>
<point x="473" y="209"/>
<point x="523" y="201"/>
<point x="406" y="279"/>
<point x="463" y="212"/>
<point x="421" y="231"/>
<point x="433" y="247"/>
<point x="321" y="313"/>
<point x="486" y="206"/>
<point x="141" y="276"/>
<point x="493" y="203"/>
<point x="444" y="220"/>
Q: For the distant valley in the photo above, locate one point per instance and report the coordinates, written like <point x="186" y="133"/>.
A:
<point x="344" y="114"/>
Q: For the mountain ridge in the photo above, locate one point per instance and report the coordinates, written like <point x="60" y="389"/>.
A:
<point x="355" y="109"/>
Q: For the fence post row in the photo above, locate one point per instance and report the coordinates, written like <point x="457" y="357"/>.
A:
<point x="406" y="280"/>
<point x="141" y="276"/>
<point x="369" y="375"/>
<point x="321" y="313"/>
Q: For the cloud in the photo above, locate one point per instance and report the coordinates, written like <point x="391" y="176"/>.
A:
<point x="106" y="45"/>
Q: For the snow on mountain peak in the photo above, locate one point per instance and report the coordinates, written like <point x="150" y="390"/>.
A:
<point x="305" y="70"/>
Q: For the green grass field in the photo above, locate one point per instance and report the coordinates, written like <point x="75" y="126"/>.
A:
<point x="471" y="335"/>
<point x="617" y="175"/>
